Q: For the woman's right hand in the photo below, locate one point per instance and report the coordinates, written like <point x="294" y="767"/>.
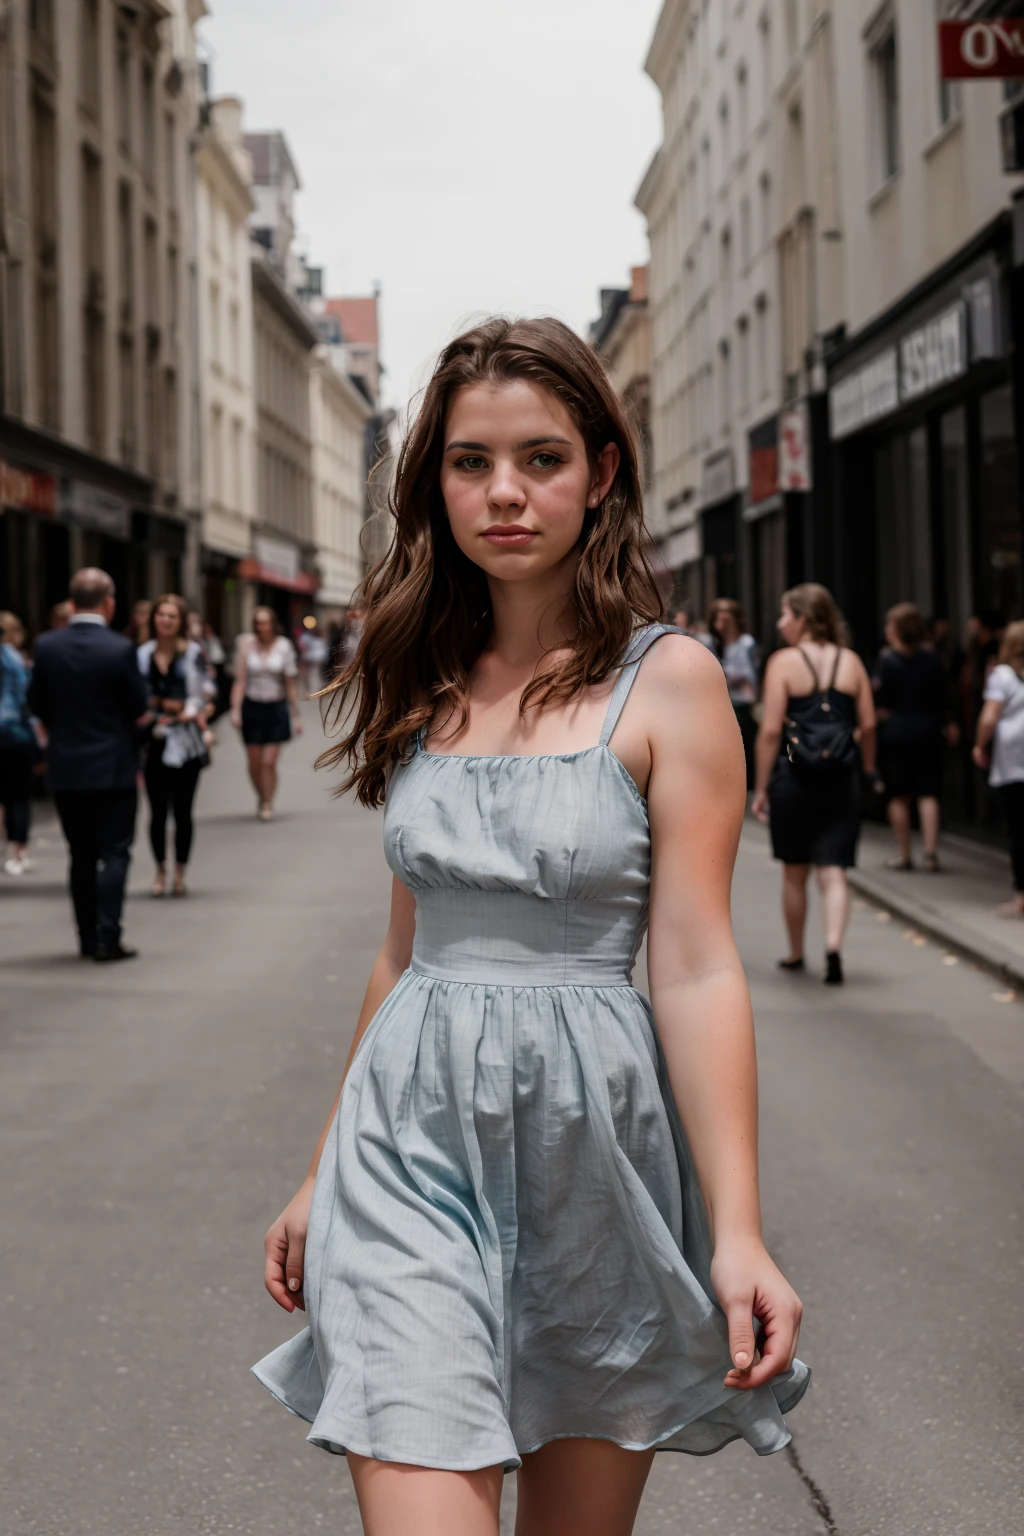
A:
<point x="759" y="805"/>
<point x="285" y="1248"/>
<point x="236" y="719"/>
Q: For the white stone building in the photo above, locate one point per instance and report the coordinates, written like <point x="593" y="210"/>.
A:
<point x="339" y="414"/>
<point x="98" y="456"/>
<point x="226" y="371"/>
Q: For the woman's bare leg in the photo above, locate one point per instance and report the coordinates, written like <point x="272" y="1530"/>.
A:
<point x="794" y="905"/>
<point x="254" y="761"/>
<point x="581" y="1488"/>
<point x="835" y="897"/>
<point x="899" y="820"/>
<point x="931" y="816"/>
<point x="270" y="754"/>
<point x="400" y="1500"/>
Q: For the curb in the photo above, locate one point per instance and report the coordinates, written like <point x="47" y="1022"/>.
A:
<point x="991" y="957"/>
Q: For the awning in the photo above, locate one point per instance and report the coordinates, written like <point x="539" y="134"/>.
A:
<point x="302" y="582"/>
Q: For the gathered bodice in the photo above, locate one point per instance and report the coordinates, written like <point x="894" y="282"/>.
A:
<point x="528" y="870"/>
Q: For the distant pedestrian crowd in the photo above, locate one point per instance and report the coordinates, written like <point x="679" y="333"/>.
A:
<point x="821" y="736"/>
<point x="96" y="715"/>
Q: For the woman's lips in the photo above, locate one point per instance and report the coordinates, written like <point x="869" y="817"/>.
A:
<point x="509" y="534"/>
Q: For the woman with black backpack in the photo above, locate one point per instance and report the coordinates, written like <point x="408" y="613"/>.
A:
<point x="817" y="733"/>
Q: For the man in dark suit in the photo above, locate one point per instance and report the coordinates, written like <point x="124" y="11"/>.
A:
<point x="87" y="690"/>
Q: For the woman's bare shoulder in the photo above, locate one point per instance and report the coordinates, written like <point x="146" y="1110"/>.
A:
<point x="680" y="663"/>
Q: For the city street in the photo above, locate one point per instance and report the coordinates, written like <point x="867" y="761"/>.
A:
<point x="156" y="1115"/>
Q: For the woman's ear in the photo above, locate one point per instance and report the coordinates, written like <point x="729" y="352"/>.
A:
<point x="605" y="470"/>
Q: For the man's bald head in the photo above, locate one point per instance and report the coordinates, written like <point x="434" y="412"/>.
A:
<point x="92" y="591"/>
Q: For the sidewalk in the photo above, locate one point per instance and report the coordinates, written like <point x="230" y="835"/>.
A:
<point x="957" y="907"/>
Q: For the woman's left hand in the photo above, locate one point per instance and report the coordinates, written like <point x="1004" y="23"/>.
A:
<point x="296" y="724"/>
<point x="748" y="1284"/>
<point x="759" y="805"/>
<point x="980" y="756"/>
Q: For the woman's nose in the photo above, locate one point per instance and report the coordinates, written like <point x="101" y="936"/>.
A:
<point x="506" y="486"/>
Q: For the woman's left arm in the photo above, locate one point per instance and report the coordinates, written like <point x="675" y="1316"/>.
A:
<point x="291" y="688"/>
<point x="699" y="992"/>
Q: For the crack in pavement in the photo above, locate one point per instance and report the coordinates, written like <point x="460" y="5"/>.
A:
<point x="818" y="1500"/>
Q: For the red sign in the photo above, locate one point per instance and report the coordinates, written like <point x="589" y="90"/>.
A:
<point x="982" y="50"/>
<point x="28" y="489"/>
<point x="764" y="473"/>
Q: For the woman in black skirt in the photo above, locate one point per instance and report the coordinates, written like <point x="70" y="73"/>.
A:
<point x="912" y="698"/>
<point x="265" y="703"/>
<point x="817" y="731"/>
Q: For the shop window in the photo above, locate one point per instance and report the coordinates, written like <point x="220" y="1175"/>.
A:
<point x="998" y="510"/>
<point x="904" y="544"/>
<point x="949" y="97"/>
<point x="956" y="531"/>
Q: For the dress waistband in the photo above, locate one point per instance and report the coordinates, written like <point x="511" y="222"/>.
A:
<point x="510" y="938"/>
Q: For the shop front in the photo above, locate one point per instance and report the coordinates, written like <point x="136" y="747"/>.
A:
<point x="776" y="515"/>
<point x="924" y="443"/>
<point x="719" y="528"/>
<point x="282" y="580"/>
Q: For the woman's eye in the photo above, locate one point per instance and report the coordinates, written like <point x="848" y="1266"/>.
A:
<point x="545" y="460"/>
<point x="471" y="461"/>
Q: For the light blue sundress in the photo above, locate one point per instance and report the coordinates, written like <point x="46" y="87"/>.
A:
<point x="507" y="1243"/>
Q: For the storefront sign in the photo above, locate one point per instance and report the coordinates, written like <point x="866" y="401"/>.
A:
<point x="277" y="557"/>
<point x="982" y="50"/>
<point x="865" y="395"/>
<point x="763" y="460"/>
<point x="718" y="478"/>
<point x="28" y="489"/>
<point x="935" y="353"/>
<point x="89" y="507"/>
<point x="795" y="449"/>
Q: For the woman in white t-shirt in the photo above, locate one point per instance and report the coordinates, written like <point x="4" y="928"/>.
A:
<point x="999" y="746"/>
<point x="265" y="702"/>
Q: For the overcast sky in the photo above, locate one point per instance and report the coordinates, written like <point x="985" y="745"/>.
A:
<point x="472" y="155"/>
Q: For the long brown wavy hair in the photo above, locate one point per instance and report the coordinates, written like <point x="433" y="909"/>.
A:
<point x="428" y="608"/>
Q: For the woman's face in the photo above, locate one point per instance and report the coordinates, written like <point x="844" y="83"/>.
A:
<point x="790" y="627"/>
<point x="515" y="478"/>
<point x="264" y="628"/>
<point x="166" y="621"/>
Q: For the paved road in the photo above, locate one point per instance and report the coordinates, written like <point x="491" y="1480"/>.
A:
<point x="155" y="1116"/>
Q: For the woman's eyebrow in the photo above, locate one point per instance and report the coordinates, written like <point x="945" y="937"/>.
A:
<point x="476" y="447"/>
<point x="530" y="442"/>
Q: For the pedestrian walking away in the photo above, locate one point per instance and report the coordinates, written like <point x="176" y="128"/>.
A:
<point x="738" y="652"/>
<point x="265" y="703"/>
<point x="999" y="747"/>
<point x="87" y="690"/>
<point x="19" y="746"/>
<point x="911" y="687"/>
<point x="176" y="752"/>
<point x="817" y="732"/>
<point x="530" y="1234"/>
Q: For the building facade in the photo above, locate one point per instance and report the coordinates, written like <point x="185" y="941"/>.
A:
<point x="340" y="414"/>
<point x="227" y="405"/>
<point x="283" y="564"/>
<point x="622" y="335"/>
<point x="98" y="452"/>
<point x="711" y="203"/>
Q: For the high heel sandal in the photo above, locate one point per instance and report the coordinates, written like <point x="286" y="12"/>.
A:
<point x="159" y="886"/>
<point x="179" y="888"/>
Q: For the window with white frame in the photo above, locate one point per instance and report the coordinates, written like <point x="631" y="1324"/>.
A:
<point x="949" y="98"/>
<point x="884" y="84"/>
<point x="742" y="365"/>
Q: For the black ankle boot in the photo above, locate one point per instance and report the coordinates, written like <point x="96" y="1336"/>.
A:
<point x="833" y="968"/>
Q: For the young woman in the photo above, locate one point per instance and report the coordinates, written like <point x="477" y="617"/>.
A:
<point x="816" y="692"/>
<point x="999" y="747"/>
<point x="176" y="752"/>
<point x="530" y="1233"/>
<point x="737" y="650"/>
<point x="19" y="748"/>
<point x="265" y="703"/>
<point x="912" y="699"/>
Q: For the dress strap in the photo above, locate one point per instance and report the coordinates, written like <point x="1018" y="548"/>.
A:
<point x="634" y="654"/>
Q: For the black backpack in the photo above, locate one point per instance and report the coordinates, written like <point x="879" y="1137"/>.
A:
<point x="821" y="744"/>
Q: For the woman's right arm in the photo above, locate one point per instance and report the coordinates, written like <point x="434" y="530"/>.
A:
<point x="867" y="720"/>
<point x="769" y="737"/>
<point x="238" y="686"/>
<point x="285" y="1243"/>
<point x="991" y="711"/>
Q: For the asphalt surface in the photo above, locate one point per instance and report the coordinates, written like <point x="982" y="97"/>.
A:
<point x="155" y="1116"/>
